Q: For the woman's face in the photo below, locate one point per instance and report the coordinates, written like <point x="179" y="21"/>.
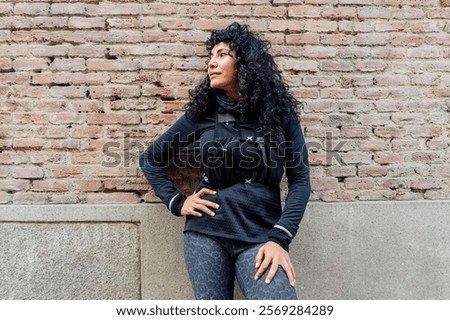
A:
<point x="222" y="70"/>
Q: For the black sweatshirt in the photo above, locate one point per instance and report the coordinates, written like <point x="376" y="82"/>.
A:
<point x="249" y="211"/>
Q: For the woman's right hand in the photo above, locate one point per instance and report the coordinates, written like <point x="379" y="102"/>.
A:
<point x="194" y="204"/>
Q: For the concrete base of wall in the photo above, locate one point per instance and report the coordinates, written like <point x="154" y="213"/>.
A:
<point x="363" y="250"/>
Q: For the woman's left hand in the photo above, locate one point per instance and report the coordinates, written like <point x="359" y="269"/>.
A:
<point x="274" y="255"/>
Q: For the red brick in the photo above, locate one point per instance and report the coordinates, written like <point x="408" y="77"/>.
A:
<point x="385" y="158"/>
<point x="355" y="132"/>
<point x="355" y="106"/>
<point x="31" y="9"/>
<point x="408" y="118"/>
<point x="15" y="78"/>
<point x="113" y="118"/>
<point x="68" y="92"/>
<point x="407" y="40"/>
<point x="304" y="11"/>
<point x="426" y="80"/>
<point x="320" y="184"/>
<point x="28" y="144"/>
<point x="67" y="8"/>
<point x="65" y="171"/>
<point x="405" y="144"/>
<point x="87" y="132"/>
<point x="86" y="157"/>
<point x="395" y="183"/>
<point x="371" y="65"/>
<point x="359" y="27"/>
<point x="326" y="2"/>
<point x="5" y="35"/>
<point x="87" y="51"/>
<point x="118" y="36"/>
<point x="50" y="132"/>
<point x="392" y="80"/>
<point x="30" y="64"/>
<point x="119" y="23"/>
<point x="50" y="185"/>
<point x="340" y="172"/>
<point x="436" y="194"/>
<point x="240" y="2"/>
<point x="437" y="143"/>
<point x="14" y="185"/>
<point x="28" y="173"/>
<point x="358" y="183"/>
<point x="119" y="9"/>
<point x="376" y="195"/>
<point x="112" y="65"/>
<point x="373" y="145"/>
<point x="336" y="40"/>
<point x="319" y="52"/>
<point x="65" y="144"/>
<point x="335" y="93"/>
<point x="211" y="25"/>
<point x="390" y="132"/>
<point x="14" y="157"/>
<point x="111" y="172"/>
<point x="425" y="184"/>
<point x="372" y="171"/>
<point x="64" y="198"/>
<point x="30" y="118"/>
<point x="77" y="64"/>
<point x="338" y="196"/>
<point x="49" y="105"/>
<point x="373" y="39"/>
<point x="425" y="131"/>
<point x="114" y="91"/>
<point x="339" y="13"/>
<point x="274" y="12"/>
<point x="6" y="8"/>
<point x="321" y="81"/>
<point x="407" y="13"/>
<point x="201" y="10"/>
<point x="356" y="158"/>
<point x="424" y="53"/>
<point x="115" y="197"/>
<point x="355" y="2"/>
<point x="307" y="38"/>
<point x="46" y="157"/>
<point x="321" y="26"/>
<point x="86" y="23"/>
<point x="372" y="93"/>
<point x="391" y="26"/>
<point x="424" y="27"/>
<point x="5" y="198"/>
<point x="357" y="80"/>
<point x="426" y="156"/>
<point x="87" y="185"/>
<point x="29" y="198"/>
<point x="49" y="22"/>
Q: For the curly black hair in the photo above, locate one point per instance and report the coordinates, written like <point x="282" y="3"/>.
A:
<point x="263" y="93"/>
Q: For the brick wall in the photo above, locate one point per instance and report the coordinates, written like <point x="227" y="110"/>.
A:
<point x="85" y="86"/>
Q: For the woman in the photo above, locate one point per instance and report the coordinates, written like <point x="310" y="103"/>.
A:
<point x="242" y="124"/>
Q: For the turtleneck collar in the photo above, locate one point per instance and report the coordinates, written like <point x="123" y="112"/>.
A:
<point x="225" y="105"/>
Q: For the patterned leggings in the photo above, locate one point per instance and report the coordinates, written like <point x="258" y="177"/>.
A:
<point x="214" y="263"/>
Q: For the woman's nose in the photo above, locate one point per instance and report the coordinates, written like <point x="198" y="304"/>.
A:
<point x="212" y="63"/>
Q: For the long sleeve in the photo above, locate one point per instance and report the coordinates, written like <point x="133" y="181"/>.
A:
<point x="158" y="156"/>
<point x="297" y="173"/>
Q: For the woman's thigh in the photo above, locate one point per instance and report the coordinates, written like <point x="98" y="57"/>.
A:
<point x="278" y="289"/>
<point x="210" y="267"/>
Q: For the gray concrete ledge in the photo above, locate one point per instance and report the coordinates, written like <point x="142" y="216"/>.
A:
<point x="359" y="250"/>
